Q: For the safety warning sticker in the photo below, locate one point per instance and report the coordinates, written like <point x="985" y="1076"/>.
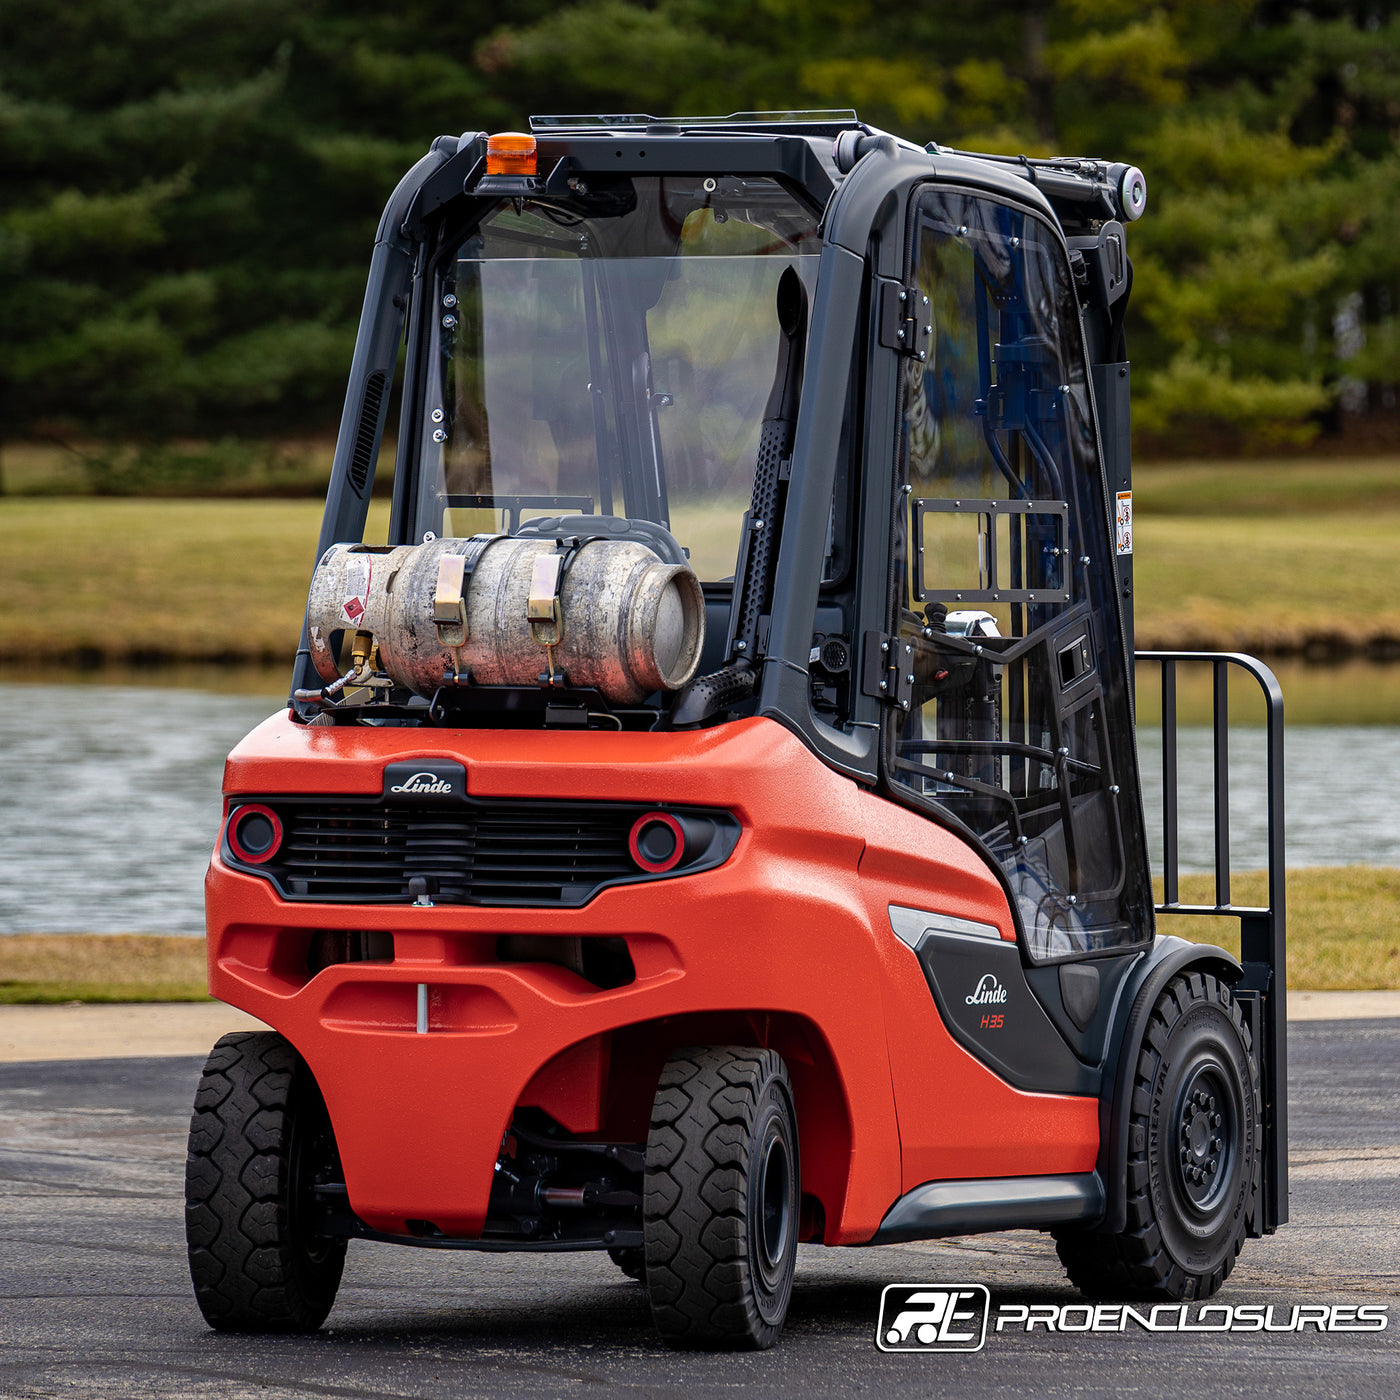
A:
<point x="1125" y="522"/>
<point x="356" y="591"/>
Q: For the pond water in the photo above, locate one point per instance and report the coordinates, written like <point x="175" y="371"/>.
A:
<point x="109" y="798"/>
<point x="109" y="804"/>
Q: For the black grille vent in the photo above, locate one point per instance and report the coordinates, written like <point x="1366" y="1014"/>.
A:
<point x="517" y="854"/>
<point x="483" y="852"/>
<point x="366" y="432"/>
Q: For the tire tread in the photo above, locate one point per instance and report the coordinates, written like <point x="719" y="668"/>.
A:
<point x="697" y="1163"/>
<point x="1136" y="1264"/>
<point x="249" y="1274"/>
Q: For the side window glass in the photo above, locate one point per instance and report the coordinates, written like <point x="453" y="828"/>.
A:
<point x="1018" y="723"/>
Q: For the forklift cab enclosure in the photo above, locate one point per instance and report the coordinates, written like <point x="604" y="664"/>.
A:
<point x="732" y="728"/>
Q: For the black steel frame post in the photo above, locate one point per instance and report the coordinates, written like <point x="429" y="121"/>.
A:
<point x="1170" y="824"/>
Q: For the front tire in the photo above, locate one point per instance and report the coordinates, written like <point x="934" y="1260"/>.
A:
<point x="259" y="1133"/>
<point x="1194" y="1139"/>
<point x="720" y="1203"/>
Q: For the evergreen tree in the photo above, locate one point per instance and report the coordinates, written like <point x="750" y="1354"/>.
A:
<point x="1268" y="140"/>
<point x="190" y="187"/>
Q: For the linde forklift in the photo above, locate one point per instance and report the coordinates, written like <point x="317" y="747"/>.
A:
<point x="707" y="815"/>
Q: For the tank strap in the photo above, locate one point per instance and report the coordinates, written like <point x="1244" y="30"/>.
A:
<point x="455" y="570"/>
<point x="543" y="608"/>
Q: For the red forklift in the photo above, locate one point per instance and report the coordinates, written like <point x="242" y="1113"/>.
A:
<point x="707" y="816"/>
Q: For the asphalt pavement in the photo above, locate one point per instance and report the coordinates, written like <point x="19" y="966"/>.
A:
<point x="95" y="1299"/>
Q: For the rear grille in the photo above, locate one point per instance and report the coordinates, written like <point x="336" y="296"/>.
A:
<point x="478" y="852"/>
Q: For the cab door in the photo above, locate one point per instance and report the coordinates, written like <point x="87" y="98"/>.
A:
<point x="1011" y="719"/>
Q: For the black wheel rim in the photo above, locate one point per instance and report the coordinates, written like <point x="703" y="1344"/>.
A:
<point x="773" y="1216"/>
<point x="310" y="1151"/>
<point x="777" y="1200"/>
<point x="1206" y="1147"/>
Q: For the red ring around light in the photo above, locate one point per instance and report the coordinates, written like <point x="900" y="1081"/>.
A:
<point x="674" y="859"/>
<point x="236" y="846"/>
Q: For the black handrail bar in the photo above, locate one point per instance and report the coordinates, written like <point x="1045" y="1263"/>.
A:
<point x="1262" y="990"/>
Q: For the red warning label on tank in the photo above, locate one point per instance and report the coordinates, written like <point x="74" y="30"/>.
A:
<point x="356" y="591"/>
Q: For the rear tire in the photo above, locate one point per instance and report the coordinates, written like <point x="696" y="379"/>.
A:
<point x="720" y="1204"/>
<point x="259" y="1133"/>
<point x="1193" y="1155"/>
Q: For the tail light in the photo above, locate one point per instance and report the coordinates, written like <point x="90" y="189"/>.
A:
<point x="254" y="833"/>
<point x="657" y="842"/>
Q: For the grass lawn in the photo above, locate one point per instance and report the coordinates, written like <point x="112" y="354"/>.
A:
<point x="1261" y="486"/>
<point x="59" y="967"/>
<point x="111" y="579"/>
<point x="1266" y="583"/>
<point x="1266" y="555"/>
<point x="1343" y="935"/>
<point x="1343" y="924"/>
<point x="1262" y="556"/>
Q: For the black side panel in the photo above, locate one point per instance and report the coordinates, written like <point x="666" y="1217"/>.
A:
<point x="942" y="1208"/>
<point x="982" y="996"/>
<point x="1080" y="986"/>
<point x="1082" y="1000"/>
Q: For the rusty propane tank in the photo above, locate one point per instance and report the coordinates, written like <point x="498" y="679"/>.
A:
<point x="606" y="614"/>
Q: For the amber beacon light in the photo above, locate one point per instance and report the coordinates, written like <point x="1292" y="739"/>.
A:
<point x="510" y="153"/>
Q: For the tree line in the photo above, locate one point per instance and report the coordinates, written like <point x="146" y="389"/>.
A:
<point x="190" y="187"/>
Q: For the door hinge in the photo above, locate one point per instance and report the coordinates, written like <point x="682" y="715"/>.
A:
<point x="888" y="669"/>
<point x="906" y="323"/>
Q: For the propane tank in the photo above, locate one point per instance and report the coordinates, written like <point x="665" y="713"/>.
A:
<point x="605" y="613"/>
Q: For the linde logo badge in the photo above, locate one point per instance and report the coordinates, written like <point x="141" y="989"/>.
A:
<point x="988" y="992"/>
<point x="423" y="785"/>
<point x="942" y="1317"/>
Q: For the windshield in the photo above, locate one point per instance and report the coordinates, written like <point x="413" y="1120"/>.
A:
<point x="611" y="356"/>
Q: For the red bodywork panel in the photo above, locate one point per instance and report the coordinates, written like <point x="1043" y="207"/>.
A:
<point x="788" y="943"/>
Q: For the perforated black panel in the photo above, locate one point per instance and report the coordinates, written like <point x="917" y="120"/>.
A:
<point x="366" y="432"/>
